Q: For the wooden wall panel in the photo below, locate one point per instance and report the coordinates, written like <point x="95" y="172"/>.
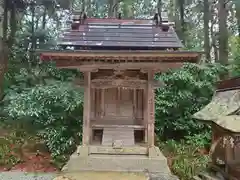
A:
<point x="110" y="102"/>
<point x="117" y="104"/>
<point x="140" y="110"/>
<point x="126" y="105"/>
<point x="93" y="103"/>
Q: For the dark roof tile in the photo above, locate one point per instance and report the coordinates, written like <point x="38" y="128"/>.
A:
<point x="122" y="33"/>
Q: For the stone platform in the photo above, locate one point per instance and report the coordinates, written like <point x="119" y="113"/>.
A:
<point x="154" y="163"/>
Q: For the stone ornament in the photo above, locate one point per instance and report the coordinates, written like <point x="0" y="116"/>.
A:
<point x="117" y="144"/>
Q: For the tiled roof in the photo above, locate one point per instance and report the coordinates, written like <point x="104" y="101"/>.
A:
<point x="120" y="33"/>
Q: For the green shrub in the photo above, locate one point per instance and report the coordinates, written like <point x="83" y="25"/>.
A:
<point x="54" y="110"/>
<point x="184" y="159"/>
<point x="235" y="67"/>
<point x="202" y="140"/>
<point x="185" y="166"/>
<point x="7" y="155"/>
<point x="185" y="92"/>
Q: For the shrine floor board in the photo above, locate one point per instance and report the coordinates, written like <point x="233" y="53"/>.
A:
<point x="124" y="136"/>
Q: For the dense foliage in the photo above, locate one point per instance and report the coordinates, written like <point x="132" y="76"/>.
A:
<point x="186" y="91"/>
<point x="235" y="64"/>
<point x="184" y="158"/>
<point x="46" y="99"/>
<point x="55" y="109"/>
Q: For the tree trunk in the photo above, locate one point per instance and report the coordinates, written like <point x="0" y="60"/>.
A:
<point x="83" y="5"/>
<point x="179" y="18"/>
<point x="110" y="8"/>
<point x="89" y="8"/>
<point x="33" y="38"/>
<point x="206" y="15"/>
<point x="176" y="18"/>
<point x="213" y="33"/>
<point x="13" y="27"/>
<point x="96" y="9"/>
<point x="5" y="21"/>
<point x="159" y="9"/>
<point x="223" y="32"/>
<point x="116" y="7"/>
<point x="3" y="64"/>
<point x="182" y="20"/>
<point x="172" y="12"/>
<point x="44" y="18"/>
<point x="3" y="50"/>
<point x="237" y="4"/>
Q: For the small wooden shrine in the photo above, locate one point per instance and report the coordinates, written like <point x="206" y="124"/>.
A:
<point x="119" y="58"/>
<point x="223" y="115"/>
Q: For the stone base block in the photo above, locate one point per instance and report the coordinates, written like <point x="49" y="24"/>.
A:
<point x="83" y="151"/>
<point x="154" y="152"/>
<point x="154" y="163"/>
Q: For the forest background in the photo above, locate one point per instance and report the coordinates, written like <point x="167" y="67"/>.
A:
<point x="40" y="104"/>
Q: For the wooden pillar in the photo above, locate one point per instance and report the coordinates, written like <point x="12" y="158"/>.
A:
<point x="135" y="104"/>
<point x="87" y="108"/>
<point x="145" y="113"/>
<point x="150" y="110"/>
<point x="102" y="103"/>
<point x="94" y="101"/>
<point x="118" y="100"/>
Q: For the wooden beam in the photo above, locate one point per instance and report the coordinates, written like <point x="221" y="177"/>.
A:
<point x="150" y="110"/>
<point x="92" y="67"/>
<point x="112" y="83"/>
<point x="121" y="53"/>
<point x="124" y="83"/>
<point x="87" y="109"/>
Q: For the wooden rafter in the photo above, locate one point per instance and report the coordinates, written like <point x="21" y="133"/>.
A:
<point x="91" y="54"/>
<point x="144" y="67"/>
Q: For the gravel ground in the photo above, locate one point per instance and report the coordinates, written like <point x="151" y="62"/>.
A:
<point x="86" y="176"/>
<point x="26" y="176"/>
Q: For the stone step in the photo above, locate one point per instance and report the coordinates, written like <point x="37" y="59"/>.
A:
<point x="123" y="163"/>
<point x="135" y="150"/>
<point x="91" y="175"/>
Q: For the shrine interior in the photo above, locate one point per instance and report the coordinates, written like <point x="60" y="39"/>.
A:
<point x="114" y="106"/>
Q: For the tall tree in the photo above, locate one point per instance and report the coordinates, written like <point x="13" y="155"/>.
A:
<point x="110" y="8"/>
<point x="237" y="6"/>
<point x="83" y="5"/>
<point x="206" y="15"/>
<point x="214" y="38"/>
<point x="223" y="32"/>
<point x="181" y="4"/>
<point x="3" y="48"/>
<point x="115" y="7"/>
<point x="6" y="41"/>
<point x="159" y="7"/>
<point x="13" y="25"/>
